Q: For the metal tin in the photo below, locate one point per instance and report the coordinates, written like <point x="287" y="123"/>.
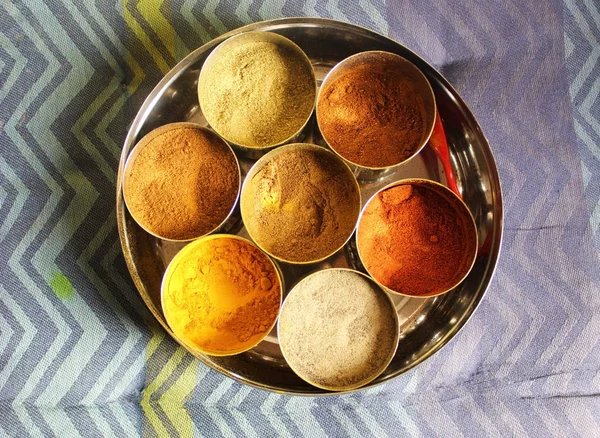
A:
<point x="471" y="232"/>
<point x="426" y="325"/>
<point x="403" y="66"/>
<point x="283" y="150"/>
<point x="182" y="253"/>
<point x="223" y="226"/>
<point x="245" y="38"/>
<point x="390" y="354"/>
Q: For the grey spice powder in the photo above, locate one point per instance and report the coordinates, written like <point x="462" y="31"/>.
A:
<point x="337" y="329"/>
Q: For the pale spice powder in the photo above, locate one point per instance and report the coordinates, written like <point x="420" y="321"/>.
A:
<point x="337" y="329"/>
<point x="258" y="94"/>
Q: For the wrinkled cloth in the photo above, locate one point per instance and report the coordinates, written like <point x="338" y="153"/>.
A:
<point x="80" y="355"/>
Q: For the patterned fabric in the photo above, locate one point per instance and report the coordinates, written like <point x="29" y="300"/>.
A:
<point x="80" y="355"/>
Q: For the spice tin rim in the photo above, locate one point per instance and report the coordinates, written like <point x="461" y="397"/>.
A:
<point x="176" y="260"/>
<point x="392" y="311"/>
<point x="144" y="142"/>
<point x="260" y="163"/>
<point x="252" y="151"/>
<point x="339" y="66"/>
<point x="434" y="185"/>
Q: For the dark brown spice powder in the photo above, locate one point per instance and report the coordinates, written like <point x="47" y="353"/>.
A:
<point x="183" y="183"/>
<point x="414" y="241"/>
<point x="372" y="115"/>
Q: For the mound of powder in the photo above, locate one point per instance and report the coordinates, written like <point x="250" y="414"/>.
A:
<point x="302" y="205"/>
<point x="183" y="183"/>
<point x="258" y="93"/>
<point x="337" y="329"/>
<point x="221" y="295"/>
<point x="416" y="241"/>
<point x="373" y="115"/>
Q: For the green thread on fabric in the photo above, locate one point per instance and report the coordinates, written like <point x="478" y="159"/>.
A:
<point x="61" y="286"/>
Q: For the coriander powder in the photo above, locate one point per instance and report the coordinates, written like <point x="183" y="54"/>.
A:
<point x="257" y="90"/>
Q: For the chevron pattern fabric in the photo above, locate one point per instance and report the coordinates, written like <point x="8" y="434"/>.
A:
<point x="81" y="356"/>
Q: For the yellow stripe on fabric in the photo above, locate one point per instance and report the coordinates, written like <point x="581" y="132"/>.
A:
<point x="172" y="401"/>
<point x="150" y="12"/>
<point x="169" y="401"/>
<point x="150" y="417"/>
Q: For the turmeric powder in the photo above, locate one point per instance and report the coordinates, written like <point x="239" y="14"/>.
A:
<point x="221" y="295"/>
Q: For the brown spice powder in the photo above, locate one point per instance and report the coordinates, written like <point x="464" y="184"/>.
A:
<point x="302" y="205"/>
<point x="337" y="329"/>
<point x="183" y="183"/>
<point x="413" y="240"/>
<point x="372" y="116"/>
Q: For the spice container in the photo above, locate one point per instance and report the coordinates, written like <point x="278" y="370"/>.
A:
<point x="337" y="329"/>
<point x="181" y="182"/>
<point x="257" y="90"/>
<point x="376" y="110"/>
<point x="221" y="295"/>
<point x="416" y="237"/>
<point x="300" y="203"/>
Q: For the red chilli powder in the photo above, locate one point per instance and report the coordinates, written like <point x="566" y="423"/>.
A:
<point x="414" y="241"/>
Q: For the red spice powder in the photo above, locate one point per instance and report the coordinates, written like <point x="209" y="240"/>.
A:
<point x="413" y="240"/>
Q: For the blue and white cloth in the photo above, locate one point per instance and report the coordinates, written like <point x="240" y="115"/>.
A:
<point x="81" y="356"/>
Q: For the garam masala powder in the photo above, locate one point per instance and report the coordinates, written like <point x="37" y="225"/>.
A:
<point x="221" y="295"/>
<point x="372" y="115"/>
<point x="302" y="204"/>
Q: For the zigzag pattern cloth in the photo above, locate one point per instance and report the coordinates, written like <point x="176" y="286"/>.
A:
<point x="81" y="356"/>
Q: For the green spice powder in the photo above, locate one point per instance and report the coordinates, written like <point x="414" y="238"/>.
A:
<point x="257" y="94"/>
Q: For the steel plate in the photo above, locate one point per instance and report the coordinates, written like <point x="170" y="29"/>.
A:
<point x="426" y="324"/>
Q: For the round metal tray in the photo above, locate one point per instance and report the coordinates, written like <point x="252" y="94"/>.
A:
<point x="426" y="324"/>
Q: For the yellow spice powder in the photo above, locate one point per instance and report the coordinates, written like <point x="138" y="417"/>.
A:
<point x="221" y="295"/>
